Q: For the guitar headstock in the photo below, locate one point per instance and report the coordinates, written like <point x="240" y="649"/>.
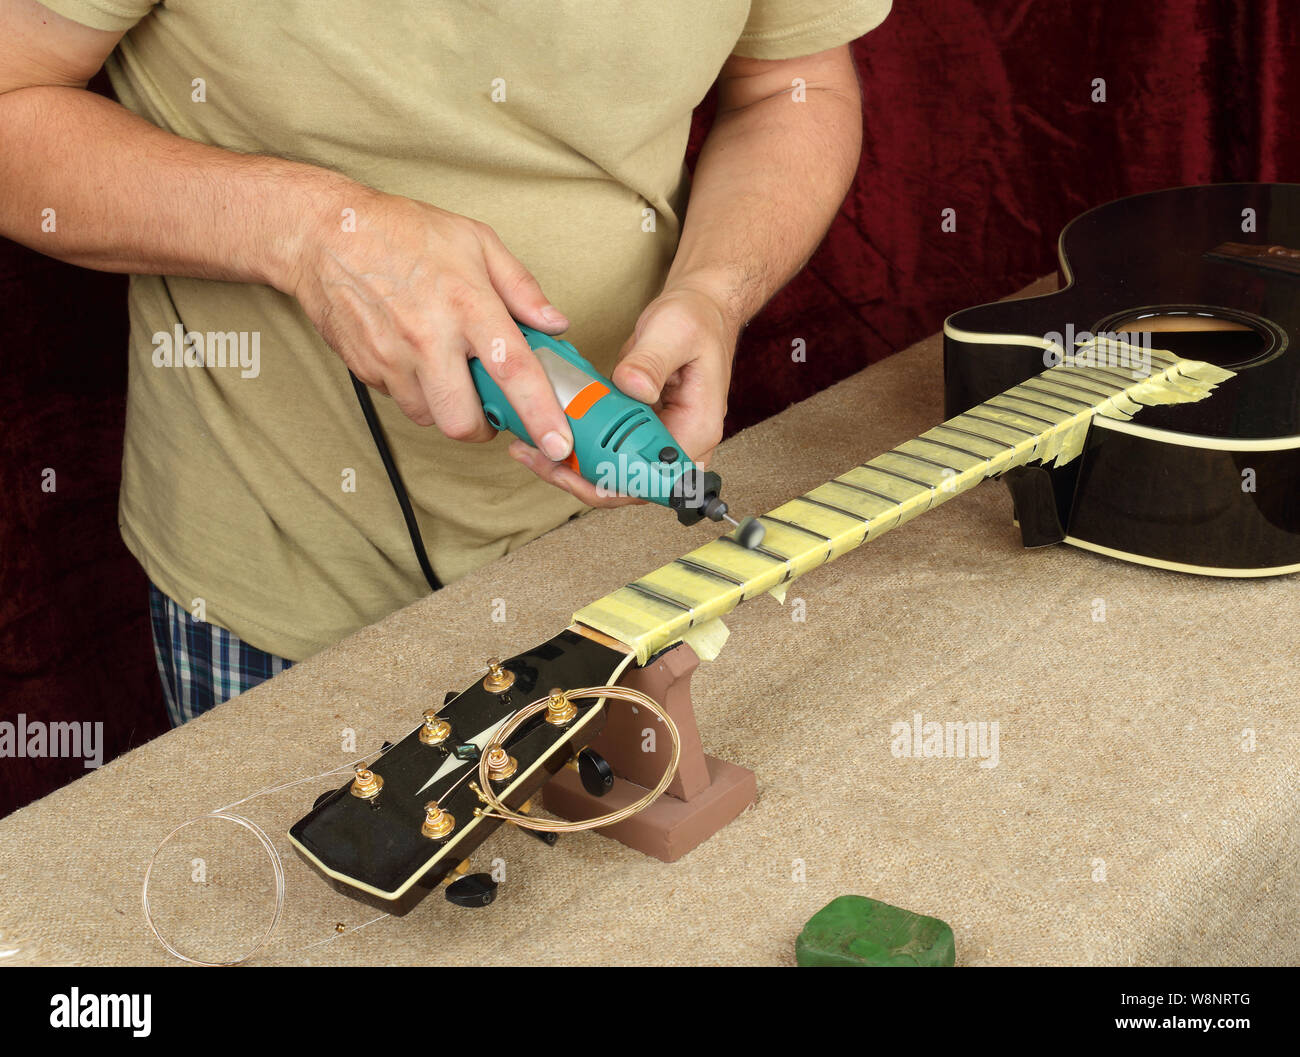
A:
<point x="377" y="839"/>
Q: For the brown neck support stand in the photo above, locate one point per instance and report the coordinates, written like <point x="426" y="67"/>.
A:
<point x="706" y="794"/>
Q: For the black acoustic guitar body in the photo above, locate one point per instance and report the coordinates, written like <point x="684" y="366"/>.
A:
<point x="1210" y="273"/>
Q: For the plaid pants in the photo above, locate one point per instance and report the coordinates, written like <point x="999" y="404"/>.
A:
<point x="200" y="664"/>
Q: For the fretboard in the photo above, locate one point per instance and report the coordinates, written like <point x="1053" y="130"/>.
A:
<point x="1043" y="419"/>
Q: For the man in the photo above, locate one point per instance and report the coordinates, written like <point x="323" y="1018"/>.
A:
<point x="394" y="183"/>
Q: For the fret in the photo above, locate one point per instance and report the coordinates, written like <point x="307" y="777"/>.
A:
<point x="803" y="549"/>
<point x="839" y="530"/>
<point x="1015" y="392"/>
<point x="1127" y="383"/>
<point x="760" y="571"/>
<point x="888" y="499"/>
<point x="760" y="549"/>
<point x="1064" y="415"/>
<point x="918" y="498"/>
<point x="792" y="525"/>
<point x="629" y="615"/>
<point x="769" y="538"/>
<point x="875" y="483"/>
<point x="1055" y="379"/>
<point x="878" y="513"/>
<point x="704" y="570"/>
<point x="997" y="422"/>
<point x="975" y="436"/>
<point x="894" y="473"/>
<point x="1012" y="452"/>
<point x="681" y="584"/>
<point x="649" y="593"/>
<point x="1022" y="414"/>
<point x="1048" y="392"/>
<point x="1123" y="382"/>
<point x="807" y="498"/>
<point x="1084" y="371"/>
<point x="922" y="470"/>
<point x="951" y="447"/>
<point x="923" y="460"/>
<point x="924" y="485"/>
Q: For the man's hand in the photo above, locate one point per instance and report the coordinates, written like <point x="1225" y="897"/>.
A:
<point x="405" y="299"/>
<point x="409" y="296"/>
<point x="770" y="176"/>
<point x="678" y="360"/>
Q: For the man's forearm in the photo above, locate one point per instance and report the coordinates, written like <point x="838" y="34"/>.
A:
<point x="769" y="180"/>
<point x="129" y="197"/>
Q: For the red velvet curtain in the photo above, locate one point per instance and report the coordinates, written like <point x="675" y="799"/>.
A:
<point x="986" y="108"/>
<point x="980" y="107"/>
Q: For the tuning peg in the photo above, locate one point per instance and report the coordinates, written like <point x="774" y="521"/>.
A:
<point x="435" y="730"/>
<point x="476" y="890"/>
<point x="499" y="679"/>
<point x="594" y="770"/>
<point x="501" y="765"/>
<point x="367" y="784"/>
<point x="559" y="709"/>
<point x="437" y="824"/>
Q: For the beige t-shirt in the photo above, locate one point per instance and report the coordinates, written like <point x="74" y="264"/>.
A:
<point x="256" y="486"/>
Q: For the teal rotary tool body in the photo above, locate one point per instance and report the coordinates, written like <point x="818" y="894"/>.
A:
<point x="619" y="444"/>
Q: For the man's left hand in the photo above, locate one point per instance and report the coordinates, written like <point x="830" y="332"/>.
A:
<point x="678" y="360"/>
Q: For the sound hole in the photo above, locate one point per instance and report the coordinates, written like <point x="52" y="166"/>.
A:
<point x="1219" y="339"/>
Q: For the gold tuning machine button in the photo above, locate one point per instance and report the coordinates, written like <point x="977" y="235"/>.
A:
<point x="435" y="730"/>
<point x="559" y="709"/>
<point x="500" y="764"/>
<point x="437" y="822"/>
<point x="498" y="679"/>
<point x="366" y="784"/>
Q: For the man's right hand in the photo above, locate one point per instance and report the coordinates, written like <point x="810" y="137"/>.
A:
<point x="405" y="299"/>
<point x="411" y="294"/>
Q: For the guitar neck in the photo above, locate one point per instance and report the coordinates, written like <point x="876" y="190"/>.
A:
<point x="1043" y="419"/>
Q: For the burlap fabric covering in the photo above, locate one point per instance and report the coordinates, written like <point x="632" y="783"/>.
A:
<point x="1145" y="806"/>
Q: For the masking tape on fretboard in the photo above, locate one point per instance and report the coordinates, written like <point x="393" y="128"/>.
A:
<point x="1045" y="418"/>
<point x="707" y="639"/>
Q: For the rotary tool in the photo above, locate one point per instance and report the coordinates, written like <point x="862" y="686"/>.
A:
<point x="619" y="444"/>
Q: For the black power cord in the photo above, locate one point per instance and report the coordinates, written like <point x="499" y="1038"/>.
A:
<point x="395" y="478"/>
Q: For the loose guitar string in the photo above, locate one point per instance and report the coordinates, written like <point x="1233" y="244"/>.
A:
<point x="277" y="866"/>
<point x="494" y="807"/>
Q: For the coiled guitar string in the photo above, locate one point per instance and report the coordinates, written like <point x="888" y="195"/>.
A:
<point x="495" y="808"/>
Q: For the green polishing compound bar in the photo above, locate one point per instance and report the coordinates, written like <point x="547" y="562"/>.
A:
<point x="619" y="444"/>
<point x="857" y="931"/>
